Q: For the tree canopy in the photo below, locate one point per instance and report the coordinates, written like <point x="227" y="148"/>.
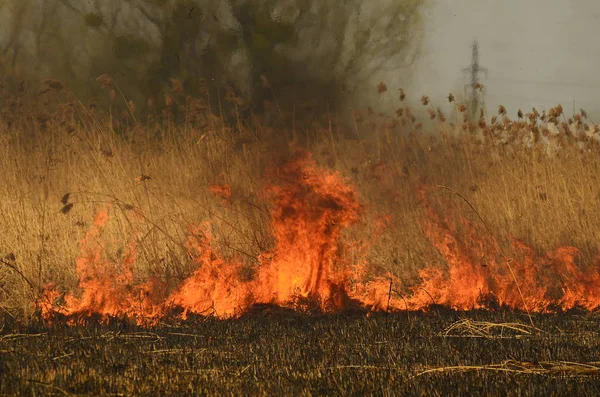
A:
<point x="306" y="49"/>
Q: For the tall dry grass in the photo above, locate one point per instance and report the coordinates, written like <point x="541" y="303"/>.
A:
<point x="533" y="178"/>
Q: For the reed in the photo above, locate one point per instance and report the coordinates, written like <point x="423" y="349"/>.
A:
<point x="532" y="178"/>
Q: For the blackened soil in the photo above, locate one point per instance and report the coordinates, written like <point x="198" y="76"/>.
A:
<point x="289" y="354"/>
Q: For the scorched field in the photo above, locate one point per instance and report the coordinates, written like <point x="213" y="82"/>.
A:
<point x="195" y="250"/>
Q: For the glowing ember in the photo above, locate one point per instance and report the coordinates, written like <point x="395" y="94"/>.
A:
<point x="223" y="191"/>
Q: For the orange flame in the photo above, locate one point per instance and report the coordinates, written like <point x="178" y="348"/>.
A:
<point x="107" y="288"/>
<point x="223" y="191"/>
<point x="311" y="208"/>
<point x="527" y="281"/>
<point x="307" y="268"/>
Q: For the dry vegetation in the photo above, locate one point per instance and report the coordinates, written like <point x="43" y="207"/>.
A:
<point x="533" y="178"/>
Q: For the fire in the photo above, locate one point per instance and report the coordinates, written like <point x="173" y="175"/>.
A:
<point x="311" y="207"/>
<point x="478" y="275"/>
<point x="307" y="268"/>
<point x="106" y="286"/>
<point x="223" y="191"/>
<point x="215" y="287"/>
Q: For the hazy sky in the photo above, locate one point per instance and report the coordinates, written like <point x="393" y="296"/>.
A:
<point x="537" y="52"/>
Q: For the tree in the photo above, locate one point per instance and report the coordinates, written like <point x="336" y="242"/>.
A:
<point x="307" y="49"/>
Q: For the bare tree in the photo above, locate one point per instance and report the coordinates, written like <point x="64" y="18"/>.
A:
<point x="305" y="48"/>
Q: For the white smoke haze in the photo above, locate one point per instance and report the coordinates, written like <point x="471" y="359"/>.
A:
<point x="331" y="53"/>
<point x="538" y="53"/>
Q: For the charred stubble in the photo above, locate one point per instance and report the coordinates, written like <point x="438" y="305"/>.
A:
<point x="273" y="352"/>
<point x="185" y="217"/>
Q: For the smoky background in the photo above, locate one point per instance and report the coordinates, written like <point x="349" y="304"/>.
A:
<point x="314" y="54"/>
<point x="317" y="54"/>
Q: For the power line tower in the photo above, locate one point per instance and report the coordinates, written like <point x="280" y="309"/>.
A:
<point x="474" y="70"/>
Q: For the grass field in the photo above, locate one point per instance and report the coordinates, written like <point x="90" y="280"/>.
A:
<point x="114" y="214"/>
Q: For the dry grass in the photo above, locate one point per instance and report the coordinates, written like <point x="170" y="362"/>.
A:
<point x="167" y="169"/>
<point x="468" y="328"/>
<point x="546" y="368"/>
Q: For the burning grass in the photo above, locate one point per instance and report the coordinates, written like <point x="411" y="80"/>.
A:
<point x="107" y="218"/>
<point x="214" y="215"/>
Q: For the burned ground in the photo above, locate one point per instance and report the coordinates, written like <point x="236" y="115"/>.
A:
<point x="273" y="352"/>
<point x="106" y="218"/>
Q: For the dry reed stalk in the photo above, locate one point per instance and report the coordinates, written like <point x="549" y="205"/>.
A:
<point x="545" y="200"/>
<point x="545" y="368"/>
<point x="468" y="328"/>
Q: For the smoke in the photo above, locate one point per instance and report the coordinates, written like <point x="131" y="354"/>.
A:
<point x="537" y="62"/>
<point x="323" y="53"/>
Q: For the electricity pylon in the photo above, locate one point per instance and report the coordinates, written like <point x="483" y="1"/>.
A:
<point x="474" y="70"/>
